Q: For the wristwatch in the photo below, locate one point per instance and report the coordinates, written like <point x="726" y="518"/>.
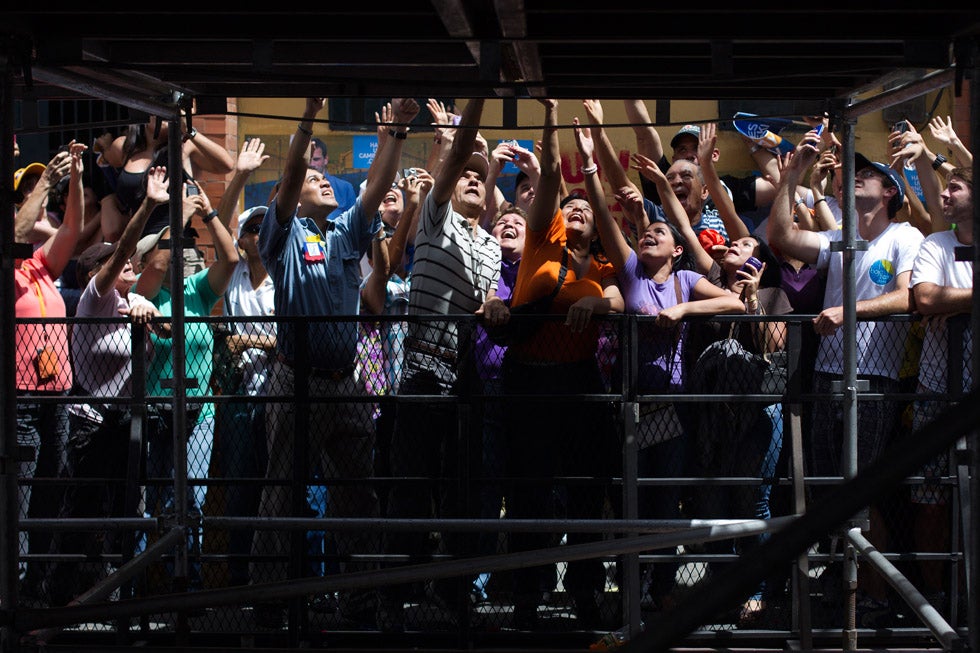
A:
<point x="189" y="136"/>
<point x="938" y="162"/>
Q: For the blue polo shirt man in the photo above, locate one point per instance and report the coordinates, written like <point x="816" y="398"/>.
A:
<point x="314" y="265"/>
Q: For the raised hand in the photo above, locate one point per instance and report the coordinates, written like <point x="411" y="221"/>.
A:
<point x="405" y="110"/>
<point x="57" y="168"/>
<point x="440" y="114"/>
<point x="906" y="145"/>
<point x="707" y="142"/>
<point x="252" y="156"/>
<point x="384" y="120"/>
<point x="593" y="110"/>
<point x="156" y="185"/>
<point x="825" y="164"/>
<point x="943" y="131"/>
<point x="75" y="151"/>
<point x="631" y="202"/>
<point x="647" y="168"/>
<point x="314" y="105"/>
<point x="583" y="139"/>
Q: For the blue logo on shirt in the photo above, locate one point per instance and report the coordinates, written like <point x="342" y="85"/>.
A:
<point x="881" y="272"/>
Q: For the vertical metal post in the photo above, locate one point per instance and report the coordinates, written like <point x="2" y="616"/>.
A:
<point x="630" y="412"/>
<point x="849" y="399"/>
<point x="973" y="568"/>
<point x="175" y="168"/>
<point x="793" y="427"/>
<point x="8" y="404"/>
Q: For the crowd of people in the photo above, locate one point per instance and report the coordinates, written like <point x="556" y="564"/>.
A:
<point x="442" y="242"/>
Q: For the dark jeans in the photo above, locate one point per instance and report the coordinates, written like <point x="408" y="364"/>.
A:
<point x="550" y="439"/>
<point x="43" y="429"/>
<point x="427" y="444"/>
<point x="242" y="455"/>
<point x="95" y="451"/>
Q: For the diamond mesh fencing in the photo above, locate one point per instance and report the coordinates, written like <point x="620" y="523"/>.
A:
<point x="437" y="445"/>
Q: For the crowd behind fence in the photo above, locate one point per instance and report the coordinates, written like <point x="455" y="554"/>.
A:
<point x="727" y="447"/>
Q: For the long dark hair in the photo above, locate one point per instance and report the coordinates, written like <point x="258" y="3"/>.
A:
<point x="684" y="260"/>
<point x="772" y="277"/>
<point x="135" y="141"/>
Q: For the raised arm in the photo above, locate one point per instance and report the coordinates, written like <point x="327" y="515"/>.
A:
<point x="604" y="150"/>
<point x="387" y="253"/>
<point x="226" y="254"/>
<point x="546" y="195"/>
<point x="800" y="244"/>
<point x="443" y="134"/>
<point x="910" y="146"/>
<point x="205" y="154"/>
<point x="156" y="194"/>
<point x="944" y="133"/>
<point x="614" y="243"/>
<point x="823" y="217"/>
<point x="32" y="210"/>
<point x="297" y="162"/>
<point x="415" y="190"/>
<point x="648" y="141"/>
<point x="156" y="262"/>
<point x="382" y="171"/>
<point x="673" y="210"/>
<point x="460" y="152"/>
<point x="707" y="143"/>
<point x="249" y="160"/>
<point x="60" y="247"/>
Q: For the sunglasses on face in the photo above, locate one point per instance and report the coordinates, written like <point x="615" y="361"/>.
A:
<point x="252" y="228"/>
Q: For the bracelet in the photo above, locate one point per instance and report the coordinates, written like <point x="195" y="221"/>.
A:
<point x="818" y="200"/>
<point x="399" y="135"/>
<point x="212" y="214"/>
<point x="938" y="162"/>
<point x="590" y="170"/>
<point x="304" y="130"/>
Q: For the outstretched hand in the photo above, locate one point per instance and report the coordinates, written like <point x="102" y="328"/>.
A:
<point x="156" y="185"/>
<point x="252" y="156"/>
<point x="583" y="139"/>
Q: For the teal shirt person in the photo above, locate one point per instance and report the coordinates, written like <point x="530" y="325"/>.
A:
<point x="199" y="300"/>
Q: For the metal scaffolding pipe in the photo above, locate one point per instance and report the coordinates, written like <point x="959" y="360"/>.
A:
<point x="931" y="82"/>
<point x="926" y="613"/>
<point x="469" y="525"/>
<point x="105" y="587"/>
<point x="904" y="457"/>
<point x="286" y="589"/>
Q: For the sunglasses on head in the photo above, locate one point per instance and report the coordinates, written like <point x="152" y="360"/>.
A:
<point x="252" y="228"/>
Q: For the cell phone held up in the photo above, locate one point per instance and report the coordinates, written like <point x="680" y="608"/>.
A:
<point x="751" y="264"/>
<point x="901" y="126"/>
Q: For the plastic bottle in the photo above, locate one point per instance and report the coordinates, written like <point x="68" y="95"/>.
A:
<point x="613" y="640"/>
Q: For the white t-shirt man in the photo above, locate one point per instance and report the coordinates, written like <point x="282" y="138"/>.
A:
<point x="936" y="263"/>
<point x="880" y="345"/>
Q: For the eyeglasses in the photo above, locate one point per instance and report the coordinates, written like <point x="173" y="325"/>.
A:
<point x="252" y="228"/>
<point x="867" y="173"/>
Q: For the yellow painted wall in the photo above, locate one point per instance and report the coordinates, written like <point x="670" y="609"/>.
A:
<point x="279" y="116"/>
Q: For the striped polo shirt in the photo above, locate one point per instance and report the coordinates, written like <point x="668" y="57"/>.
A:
<point x="452" y="274"/>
